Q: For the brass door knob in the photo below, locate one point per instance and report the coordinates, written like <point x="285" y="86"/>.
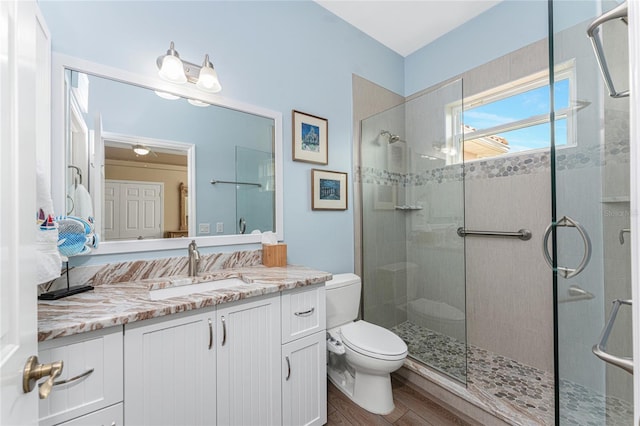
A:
<point x="34" y="372"/>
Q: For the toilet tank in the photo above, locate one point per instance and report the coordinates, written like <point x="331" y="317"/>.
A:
<point x="343" y="299"/>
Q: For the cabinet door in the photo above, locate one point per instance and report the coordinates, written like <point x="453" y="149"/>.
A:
<point x="170" y="370"/>
<point x="248" y="346"/>
<point x="304" y="381"/>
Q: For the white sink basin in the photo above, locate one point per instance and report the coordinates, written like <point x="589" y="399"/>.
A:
<point x="184" y="290"/>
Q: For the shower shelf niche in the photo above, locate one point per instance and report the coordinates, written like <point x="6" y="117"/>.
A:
<point x="408" y="208"/>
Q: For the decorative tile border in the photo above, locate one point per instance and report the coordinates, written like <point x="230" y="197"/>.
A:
<point x="615" y="151"/>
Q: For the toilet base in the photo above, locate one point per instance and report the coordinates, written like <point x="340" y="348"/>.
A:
<point x="369" y="391"/>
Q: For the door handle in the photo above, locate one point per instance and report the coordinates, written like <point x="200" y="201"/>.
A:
<point x="564" y="271"/>
<point x="33" y="371"/>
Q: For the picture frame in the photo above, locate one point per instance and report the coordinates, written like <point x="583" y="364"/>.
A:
<point x="310" y="138"/>
<point x="328" y="190"/>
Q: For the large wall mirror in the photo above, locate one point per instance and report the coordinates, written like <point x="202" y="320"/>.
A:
<point x="155" y="163"/>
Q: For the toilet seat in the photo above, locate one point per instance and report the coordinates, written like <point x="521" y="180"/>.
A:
<point x="373" y="341"/>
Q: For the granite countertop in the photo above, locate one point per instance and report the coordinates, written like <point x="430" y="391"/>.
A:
<point x="111" y="305"/>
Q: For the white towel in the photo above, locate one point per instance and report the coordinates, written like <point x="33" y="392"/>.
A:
<point x="83" y="203"/>
<point x="48" y="261"/>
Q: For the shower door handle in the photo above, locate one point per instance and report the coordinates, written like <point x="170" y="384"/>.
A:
<point x="564" y="271"/>
<point x="600" y="348"/>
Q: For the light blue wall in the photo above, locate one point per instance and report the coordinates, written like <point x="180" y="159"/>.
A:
<point x="277" y="55"/>
<point x="504" y="28"/>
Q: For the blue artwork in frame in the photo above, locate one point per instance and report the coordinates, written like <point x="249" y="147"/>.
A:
<point x="328" y="190"/>
<point x="310" y="140"/>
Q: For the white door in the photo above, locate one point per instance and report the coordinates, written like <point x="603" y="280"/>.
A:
<point x="133" y="209"/>
<point x="19" y="40"/>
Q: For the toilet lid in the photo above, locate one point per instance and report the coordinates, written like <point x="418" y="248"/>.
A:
<point x="373" y="340"/>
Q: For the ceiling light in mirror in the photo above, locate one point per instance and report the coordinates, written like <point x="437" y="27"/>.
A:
<point x="141" y="150"/>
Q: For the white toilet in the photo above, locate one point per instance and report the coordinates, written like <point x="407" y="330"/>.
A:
<point x="361" y="355"/>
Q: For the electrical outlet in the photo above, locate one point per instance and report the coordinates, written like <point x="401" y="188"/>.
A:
<point x="219" y="227"/>
<point x="204" y="228"/>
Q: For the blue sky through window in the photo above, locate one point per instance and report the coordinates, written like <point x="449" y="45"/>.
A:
<point x="519" y="107"/>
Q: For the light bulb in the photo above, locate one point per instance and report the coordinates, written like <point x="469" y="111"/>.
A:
<point x="172" y="70"/>
<point x="141" y="149"/>
<point x="171" y="67"/>
<point x="208" y="78"/>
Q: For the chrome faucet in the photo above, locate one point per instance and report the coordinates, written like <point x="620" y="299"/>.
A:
<point x="194" y="259"/>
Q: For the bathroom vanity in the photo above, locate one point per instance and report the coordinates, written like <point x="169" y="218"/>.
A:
<point x="250" y="352"/>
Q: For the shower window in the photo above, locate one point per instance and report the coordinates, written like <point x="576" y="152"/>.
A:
<point x="512" y="118"/>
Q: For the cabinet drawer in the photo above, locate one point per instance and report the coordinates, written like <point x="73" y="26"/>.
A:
<point x="93" y="369"/>
<point x="110" y="416"/>
<point x="303" y="312"/>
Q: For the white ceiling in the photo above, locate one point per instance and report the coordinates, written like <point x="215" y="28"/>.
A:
<point x="406" y="25"/>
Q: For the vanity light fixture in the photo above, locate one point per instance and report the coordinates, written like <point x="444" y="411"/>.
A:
<point x="175" y="70"/>
<point x="141" y="150"/>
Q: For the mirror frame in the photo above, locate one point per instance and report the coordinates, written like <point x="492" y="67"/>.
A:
<point x="60" y="63"/>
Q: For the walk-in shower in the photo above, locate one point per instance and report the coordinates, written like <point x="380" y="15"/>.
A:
<point x="455" y="217"/>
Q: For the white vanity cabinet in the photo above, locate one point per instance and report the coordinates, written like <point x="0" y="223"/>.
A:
<point x="248" y="364"/>
<point x="170" y="375"/>
<point x="257" y="361"/>
<point x="304" y="356"/>
<point x="91" y="379"/>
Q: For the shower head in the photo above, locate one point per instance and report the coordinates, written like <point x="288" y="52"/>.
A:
<point x="391" y="138"/>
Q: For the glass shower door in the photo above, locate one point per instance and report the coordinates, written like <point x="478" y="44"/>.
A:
<point x="413" y="204"/>
<point x="591" y="219"/>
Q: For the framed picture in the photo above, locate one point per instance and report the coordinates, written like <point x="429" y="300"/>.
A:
<point x="310" y="138"/>
<point x="328" y="190"/>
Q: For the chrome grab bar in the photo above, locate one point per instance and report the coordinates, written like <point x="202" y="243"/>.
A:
<point x="523" y="234"/>
<point x="564" y="271"/>
<point x="214" y="181"/>
<point x="600" y="348"/>
<point x="619" y="12"/>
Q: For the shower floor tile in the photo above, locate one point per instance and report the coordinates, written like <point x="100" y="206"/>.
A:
<point x="514" y="392"/>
